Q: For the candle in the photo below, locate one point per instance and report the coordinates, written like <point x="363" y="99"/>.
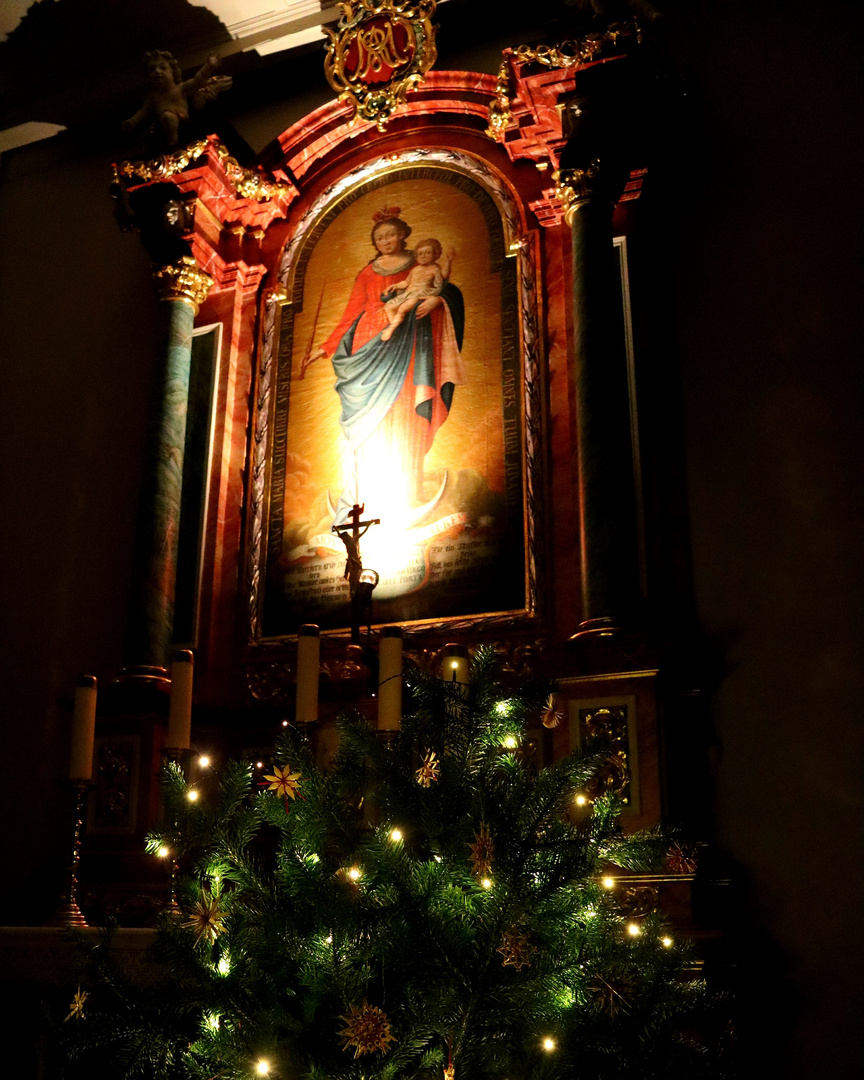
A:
<point x="83" y="729"/>
<point x="308" y="667"/>
<point x="390" y="679"/>
<point x="180" y="705"/>
<point x="454" y="666"/>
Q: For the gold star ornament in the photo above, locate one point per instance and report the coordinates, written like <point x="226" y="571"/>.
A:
<point x="367" y="1029"/>
<point x="482" y="851"/>
<point x="207" y="919"/>
<point x="429" y="770"/>
<point x="516" y="949"/>
<point x="284" y="782"/>
<point x="76" y="1009"/>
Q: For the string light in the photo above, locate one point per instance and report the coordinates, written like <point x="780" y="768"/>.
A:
<point x="204" y="761"/>
<point x="486" y="883"/>
<point x="262" y="1066"/>
<point x="259" y="764"/>
<point x="355" y="873"/>
<point x="666" y="942"/>
<point x="328" y="940"/>
<point x="581" y="800"/>
<point x="549" y="1044"/>
<point x="510" y="742"/>
<point x="634" y="929"/>
<point x="608" y="882"/>
<point x="502" y="707"/>
<point x="163" y="851"/>
<point x="396" y="835"/>
<point x="224" y="965"/>
<point x="192" y="795"/>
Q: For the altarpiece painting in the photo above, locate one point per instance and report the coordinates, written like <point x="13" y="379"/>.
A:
<point x="398" y="384"/>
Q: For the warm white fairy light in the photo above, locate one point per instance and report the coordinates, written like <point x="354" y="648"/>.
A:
<point x="224" y="965"/>
<point x="163" y="851"/>
<point x="502" y="707"/>
<point x="259" y="764"/>
<point x="355" y="873"/>
<point x="328" y="940"/>
<point x="262" y="1066"/>
<point x="581" y="800"/>
<point x="608" y="882"/>
<point x="666" y="942"/>
<point x="549" y="1044"/>
<point x="204" y="761"/>
<point x="192" y="795"/>
<point x="510" y="742"/>
<point x="396" y="835"/>
<point x="486" y="883"/>
<point x="634" y="929"/>
<point x="212" y="1021"/>
<point x="284" y="723"/>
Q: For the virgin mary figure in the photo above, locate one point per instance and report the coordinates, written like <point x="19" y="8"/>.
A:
<point x="395" y="394"/>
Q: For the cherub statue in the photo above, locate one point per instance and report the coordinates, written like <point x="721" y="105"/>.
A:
<point x="167" y="103"/>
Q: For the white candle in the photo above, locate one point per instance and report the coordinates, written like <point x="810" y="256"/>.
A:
<point x="83" y="729"/>
<point x="308" y="669"/>
<point x="454" y="666"/>
<point x="390" y="679"/>
<point x="180" y="705"/>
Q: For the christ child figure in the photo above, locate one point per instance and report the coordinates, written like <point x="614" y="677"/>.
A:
<point x="167" y="103"/>
<point x="427" y="278"/>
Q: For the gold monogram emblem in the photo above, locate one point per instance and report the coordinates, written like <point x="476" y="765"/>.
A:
<point x="380" y="50"/>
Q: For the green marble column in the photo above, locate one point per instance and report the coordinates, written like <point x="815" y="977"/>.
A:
<point x="607" y="503"/>
<point x="182" y="287"/>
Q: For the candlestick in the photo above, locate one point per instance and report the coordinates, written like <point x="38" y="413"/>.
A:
<point x="83" y="729"/>
<point x="180" y="705"/>
<point x="308" y="666"/>
<point x="390" y="679"/>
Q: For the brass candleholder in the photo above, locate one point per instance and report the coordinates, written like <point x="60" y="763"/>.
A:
<point x="68" y="914"/>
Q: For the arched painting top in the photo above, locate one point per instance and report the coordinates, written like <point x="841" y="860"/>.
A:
<point x="356" y="181"/>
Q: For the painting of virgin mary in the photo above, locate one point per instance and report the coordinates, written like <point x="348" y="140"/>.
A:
<point x="401" y="397"/>
<point x="395" y="385"/>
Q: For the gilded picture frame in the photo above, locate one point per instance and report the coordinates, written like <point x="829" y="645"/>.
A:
<point x="460" y="549"/>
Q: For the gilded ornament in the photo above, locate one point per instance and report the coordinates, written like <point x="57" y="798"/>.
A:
<point x="553" y="711"/>
<point x="284" y="782"/>
<point x="183" y="281"/>
<point x="516" y="949"/>
<point x="164" y="166"/>
<point x="499" y="110"/>
<point x="429" y="770"/>
<point x="76" y="1009"/>
<point x="482" y="851"/>
<point x="380" y="50"/>
<point x="575" y="51"/>
<point x="367" y="1029"/>
<point x="207" y="919"/>
<point x="574" y="187"/>
<point x="682" y="859"/>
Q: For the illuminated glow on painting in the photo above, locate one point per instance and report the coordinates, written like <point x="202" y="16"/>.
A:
<point x="404" y="398"/>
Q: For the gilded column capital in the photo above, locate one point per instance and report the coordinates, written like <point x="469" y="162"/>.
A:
<point x="593" y="183"/>
<point x="183" y="280"/>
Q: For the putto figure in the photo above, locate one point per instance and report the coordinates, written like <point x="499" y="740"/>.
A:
<point x="166" y="106"/>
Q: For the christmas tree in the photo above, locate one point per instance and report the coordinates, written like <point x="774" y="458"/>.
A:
<point x="428" y="905"/>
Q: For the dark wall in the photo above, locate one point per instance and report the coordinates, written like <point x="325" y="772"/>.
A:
<point x="760" y="276"/>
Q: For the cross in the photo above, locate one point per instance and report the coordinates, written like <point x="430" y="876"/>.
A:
<point x="350" y="534"/>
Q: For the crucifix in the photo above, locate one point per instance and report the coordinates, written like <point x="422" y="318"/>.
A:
<point x="360" y="582"/>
